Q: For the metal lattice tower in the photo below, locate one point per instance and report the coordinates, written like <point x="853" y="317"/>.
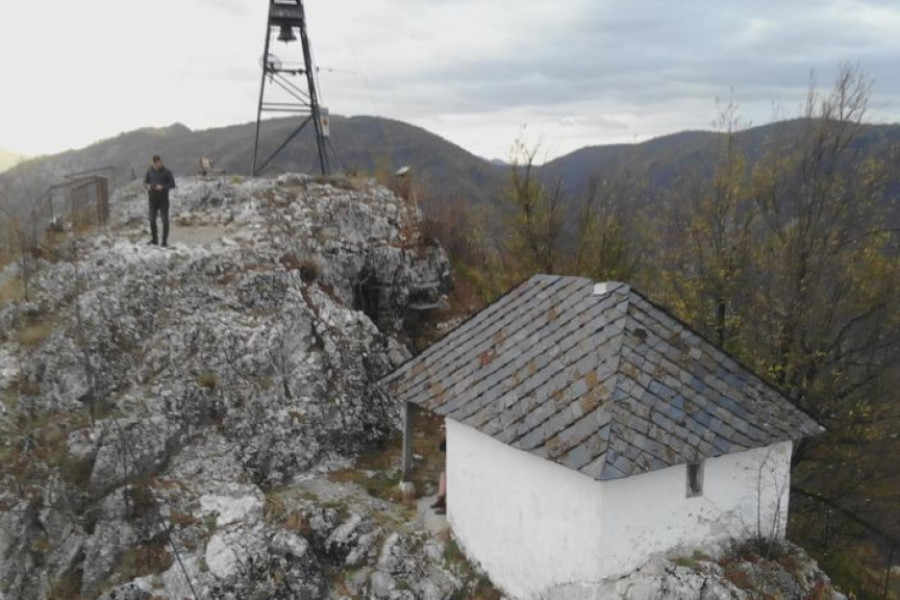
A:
<point x="288" y="16"/>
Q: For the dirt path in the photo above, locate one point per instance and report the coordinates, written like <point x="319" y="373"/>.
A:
<point x="193" y="236"/>
<point x="197" y="235"/>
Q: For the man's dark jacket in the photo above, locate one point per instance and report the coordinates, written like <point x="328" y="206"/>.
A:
<point x="162" y="177"/>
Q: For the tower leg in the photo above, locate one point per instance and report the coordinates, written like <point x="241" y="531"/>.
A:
<point x="262" y="90"/>
<point x="313" y="98"/>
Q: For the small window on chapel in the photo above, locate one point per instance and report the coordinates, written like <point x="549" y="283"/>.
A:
<point x="694" y="479"/>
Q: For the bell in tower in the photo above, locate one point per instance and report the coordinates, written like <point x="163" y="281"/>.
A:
<point x="287" y="34"/>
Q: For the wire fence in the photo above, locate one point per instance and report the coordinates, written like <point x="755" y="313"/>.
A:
<point x="30" y="230"/>
<point x="78" y="203"/>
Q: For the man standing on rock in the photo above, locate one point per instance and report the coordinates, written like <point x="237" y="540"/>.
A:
<point x="159" y="181"/>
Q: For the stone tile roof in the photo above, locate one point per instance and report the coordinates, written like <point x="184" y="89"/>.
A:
<point x="607" y="384"/>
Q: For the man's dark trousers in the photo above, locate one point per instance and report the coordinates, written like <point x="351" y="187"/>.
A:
<point x="159" y="203"/>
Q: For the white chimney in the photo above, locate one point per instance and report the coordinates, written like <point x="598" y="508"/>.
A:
<point x="605" y="287"/>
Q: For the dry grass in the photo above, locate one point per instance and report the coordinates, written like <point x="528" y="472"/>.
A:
<point x="378" y="471"/>
<point x="67" y="587"/>
<point x="352" y="182"/>
<point x="41" y="462"/>
<point x="687" y="562"/>
<point x="35" y="332"/>
<point x="11" y="290"/>
<point x="819" y="592"/>
<point x="280" y="509"/>
<point x="147" y="559"/>
<point x="739" y="577"/>
<point x="182" y="519"/>
<point x="82" y="227"/>
<point x="309" y="268"/>
<point x="25" y="386"/>
<point x="208" y="380"/>
<point x="186" y="220"/>
<point x="376" y="483"/>
<point x="482" y="589"/>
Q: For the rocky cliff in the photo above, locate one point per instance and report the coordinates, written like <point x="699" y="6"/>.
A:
<point x="155" y="393"/>
<point x="172" y="420"/>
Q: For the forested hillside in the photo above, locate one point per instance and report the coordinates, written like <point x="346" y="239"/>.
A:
<point x="360" y="145"/>
<point x="785" y="253"/>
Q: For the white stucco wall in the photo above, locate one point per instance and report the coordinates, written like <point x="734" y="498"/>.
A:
<point x="531" y="523"/>
<point x="534" y="525"/>
<point x="744" y="494"/>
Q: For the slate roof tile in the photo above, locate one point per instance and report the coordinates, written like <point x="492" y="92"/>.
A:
<point x="609" y="385"/>
<point x="577" y="458"/>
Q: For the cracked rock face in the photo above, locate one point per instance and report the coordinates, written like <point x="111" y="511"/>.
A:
<point x="171" y="389"/>
<point x="736" y="575"/>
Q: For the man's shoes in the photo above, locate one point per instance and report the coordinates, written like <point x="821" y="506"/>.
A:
<point x="152" y="243"/>
<point x="441" y="502"/>
<point x="165" y="244"/>
<point x="441" y="510"/>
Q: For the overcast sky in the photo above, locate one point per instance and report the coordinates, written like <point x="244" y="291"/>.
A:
<point x="574" y="72"/>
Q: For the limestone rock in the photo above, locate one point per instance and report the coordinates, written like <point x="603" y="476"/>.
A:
<point x="739" y="574"/>
<point x="197" y="377"/>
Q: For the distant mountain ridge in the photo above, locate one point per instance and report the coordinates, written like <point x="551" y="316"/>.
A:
<point x="363" y="144"/>
<point x="662" y="160"/>
<point x="442" y="169"/>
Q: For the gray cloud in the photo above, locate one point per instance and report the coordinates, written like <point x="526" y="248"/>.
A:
<point x="649" y="54"/>
<point x="577" y="71"/>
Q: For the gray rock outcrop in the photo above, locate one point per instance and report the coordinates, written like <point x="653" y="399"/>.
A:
<point x="738" y="573"/>
<point x="155" y="392"/>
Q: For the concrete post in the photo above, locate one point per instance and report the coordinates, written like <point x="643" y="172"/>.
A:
<point x="407" y="441"/>
<point x="407" y="489"/>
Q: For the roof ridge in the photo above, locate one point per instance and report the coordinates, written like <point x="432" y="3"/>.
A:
<point x="611" y="407"/>
<point x="618" y="419"/>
